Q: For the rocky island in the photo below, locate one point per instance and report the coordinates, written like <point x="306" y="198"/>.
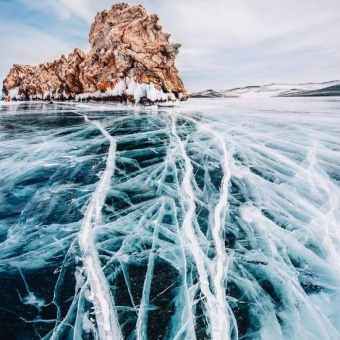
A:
<point x="130" y="60"/>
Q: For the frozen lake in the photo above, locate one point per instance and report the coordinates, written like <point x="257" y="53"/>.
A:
<point x="219" y="219"/>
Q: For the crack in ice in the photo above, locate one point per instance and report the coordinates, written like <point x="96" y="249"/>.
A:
<point x="216" y="305"/>
<point x="106" y="315"/>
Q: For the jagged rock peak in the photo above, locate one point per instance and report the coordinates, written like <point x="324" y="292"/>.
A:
<point x="130" y="58"/>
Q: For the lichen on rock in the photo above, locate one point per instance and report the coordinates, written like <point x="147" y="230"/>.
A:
<point x="130" y="59"/>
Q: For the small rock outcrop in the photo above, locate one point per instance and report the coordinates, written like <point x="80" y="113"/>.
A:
<point x="130" y="59"/>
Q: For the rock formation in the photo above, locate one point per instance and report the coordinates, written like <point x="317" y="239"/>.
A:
<point x="130" y="59"/>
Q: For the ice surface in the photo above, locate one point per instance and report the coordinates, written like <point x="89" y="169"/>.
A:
<point x="218" y="219"/>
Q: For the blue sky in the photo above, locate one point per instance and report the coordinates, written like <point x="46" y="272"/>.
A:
<point x="225" y="43"/>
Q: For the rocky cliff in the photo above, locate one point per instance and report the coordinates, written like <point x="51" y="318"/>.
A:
<point x="130" y="59"/>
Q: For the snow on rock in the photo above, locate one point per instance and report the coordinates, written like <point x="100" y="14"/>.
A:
<point x="132" y="90"/>
<point x="13" y="93"/>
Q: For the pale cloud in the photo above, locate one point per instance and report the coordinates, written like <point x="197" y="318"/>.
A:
<point x="225" y="43"/>
<point x="64" y="9"/>
<point x="26" y="45"/>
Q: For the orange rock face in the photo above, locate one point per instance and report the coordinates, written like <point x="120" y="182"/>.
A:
<point x="130" y="59"/>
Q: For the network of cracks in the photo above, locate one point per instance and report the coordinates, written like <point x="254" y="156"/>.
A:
<point x="158" y="225"/>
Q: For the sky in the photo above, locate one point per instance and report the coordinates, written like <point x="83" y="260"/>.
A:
<point x="225" y="43"/>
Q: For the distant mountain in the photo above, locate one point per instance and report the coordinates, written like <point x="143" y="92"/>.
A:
<point x="331" y="88"/>
<point x="323" y="92"/>
<point x="211" y="94"/>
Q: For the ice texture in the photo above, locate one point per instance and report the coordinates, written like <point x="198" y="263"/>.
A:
<point x="13" y="93"/>
<point x="133" y="88"/>
<point x="218" y="219"/>
<point x="125" y="86"/>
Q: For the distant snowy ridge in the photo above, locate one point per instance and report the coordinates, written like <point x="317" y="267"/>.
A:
<point x="331" y="88"/>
